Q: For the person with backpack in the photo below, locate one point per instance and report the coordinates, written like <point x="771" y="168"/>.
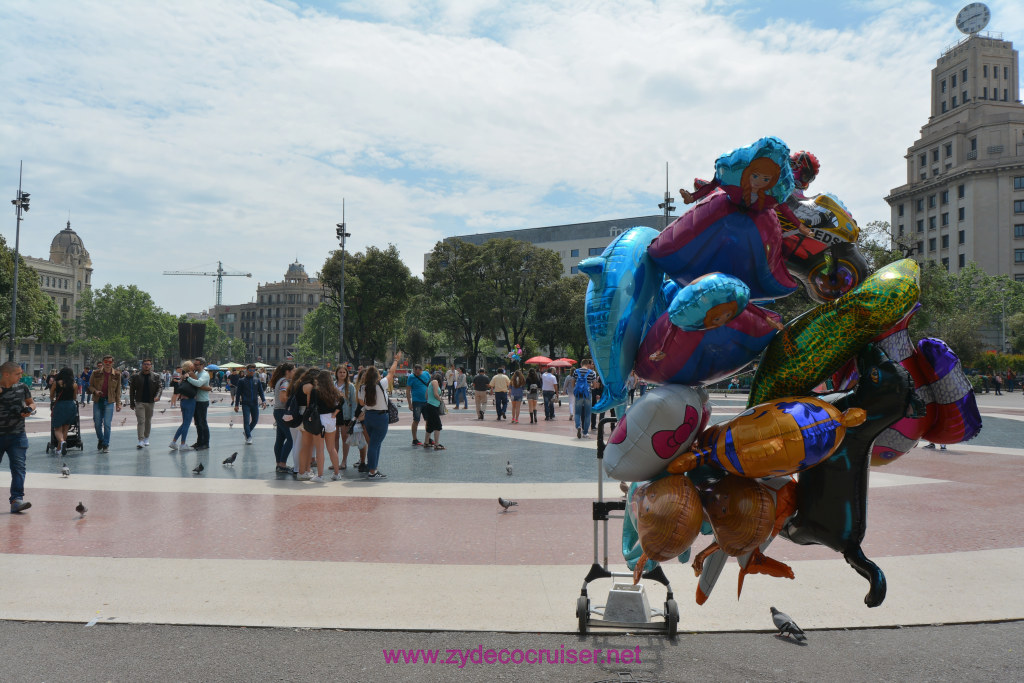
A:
<point x="532" y="393"/>
<point x="416" y="396"/>
<point x="583" y="376"/>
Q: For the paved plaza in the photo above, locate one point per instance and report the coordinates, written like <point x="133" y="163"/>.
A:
<point x="429" y="549"/>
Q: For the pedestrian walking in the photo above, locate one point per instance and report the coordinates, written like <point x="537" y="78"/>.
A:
<point x="432" y="413"/>
<point x="105" y="385"/>
<point x="461" y="387"/>
<point x="549" y="387"/>
<point x="15" y="405"/>
<point x="249" y="397"/>
<point x="515" y="394"/>
<point x="63" y="407"/>
<point x="416" y="397"/>
<point x="481" y="383"/>
<point x="144" y="391"/>
<point x="581" y="393"/>
<point x="533" y="384"/>
<point x="499" y="385"/>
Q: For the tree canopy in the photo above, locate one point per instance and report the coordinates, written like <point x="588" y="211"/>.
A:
<point x="38" y="315"/>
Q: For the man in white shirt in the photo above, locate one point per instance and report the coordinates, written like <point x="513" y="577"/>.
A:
<point x="449" y="382"/>
<point x="549" y="385"/>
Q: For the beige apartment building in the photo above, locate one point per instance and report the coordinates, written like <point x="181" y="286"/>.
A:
<point x="964" y="196"/>
<point x="64" y="276"/>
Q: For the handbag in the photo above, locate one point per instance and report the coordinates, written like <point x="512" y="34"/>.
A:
<point x="187" y="389"/>
<point x="292" y="417"/>
<point x="358" y="436"/>
<point x="443" y="410"/>
<point x="392" y="409"/>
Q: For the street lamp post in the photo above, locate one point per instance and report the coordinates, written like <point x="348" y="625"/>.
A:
<point x="342" y="234"/>
<point x="20" y="204"/>
<point x="1002" y="292"/>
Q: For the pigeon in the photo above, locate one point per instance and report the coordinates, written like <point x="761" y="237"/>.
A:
<point x="506" y="503"/>
<point x="231" y="424"/>
<point x="786" y="626"/>
<point x="198" y="469"/>
<point x="230" y="460"/>
<point x="80" y="509"/>
<point x="65" y="471"/>
<point x="163" y="411"/>
<point x="508" y="468"/>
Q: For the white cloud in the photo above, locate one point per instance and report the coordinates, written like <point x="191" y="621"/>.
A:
<point x="183" y="133"/>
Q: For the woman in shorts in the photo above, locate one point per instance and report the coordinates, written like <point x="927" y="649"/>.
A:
<point x="347" y="391"/>
<point x="329" y="401"/>
<point x="515" y="394"/>
<point x="532" y="392"/>
<point x="63" y="408"/>
<point x="432" y="411"/>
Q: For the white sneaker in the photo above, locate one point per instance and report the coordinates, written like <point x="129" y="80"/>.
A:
<point x="184" y="447"/>
<point x="305" y="476"/>
<point x="173" y="446"/>
<point x="248" y="441"/>
<point x="317" y="479"/>
<point x="335" y="477"/>
<point x="145" y="442"/>
<point x="140" y="444"/>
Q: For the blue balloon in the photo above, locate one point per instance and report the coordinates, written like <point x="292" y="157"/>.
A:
<point x="624" y="286"/>
<point x="721" y="295"/>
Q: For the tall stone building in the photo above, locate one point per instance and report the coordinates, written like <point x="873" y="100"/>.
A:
<point x="63" y="277"/>
<point x="271" y="325"/>
<point x="964" y="196"/>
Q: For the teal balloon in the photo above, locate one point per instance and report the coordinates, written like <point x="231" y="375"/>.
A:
<point x="691" y="304"/>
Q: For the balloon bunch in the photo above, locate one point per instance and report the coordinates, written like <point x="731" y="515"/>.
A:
<point x="683" y="308"/>
<point x="516" y="354"/>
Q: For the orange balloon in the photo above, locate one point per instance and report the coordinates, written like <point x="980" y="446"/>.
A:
<point x="668" y="516"/>
<point x="741" y="512"/>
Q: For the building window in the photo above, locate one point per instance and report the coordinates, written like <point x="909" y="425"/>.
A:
<point x="952" y="81"/>
<point x="901" y="230"/>
<point x="920" y="247"/>
<point x="944" y="197"/>
<point x="949" y="149"/>
<point x="899" y="209"/>
<point x="974" y="144"/>
<point x="935" y="155"/>
<point x="963" y="76"/>
<point x="573" y="270"/>
<point x="595" y="251"/>
<point x="1018" y="255"/>
<point x="961" y="260"/>
<point x="945" y="241"/>
<point x="1018" y="206"/>
<point x="945" y="263"/>
<point x="963" y="97"/>
<point x="954" y="102"/>
<point x="574" y="252"/>
<point x="1018" y="184"/>
<point x="923" y="159"/>
<point x="945" y="219"/>
<point x="984" y="93"/>
<point x="960" y="190"/>
<point x="931" y="244"/>
<point x="931" y="201"/>
<point x="1019" y="277"/>
<point x="931" y="222"/>
<point x="1004" y="94"/>
<point x="944" y="107"/>
<point x="961" y="214"/>
<point x="984" y="70"/>
<point x="961" y="237"/>
<point x="920" y="205"/>
<point x="1018" y="231"/>
<point x="943" y="85"/>
<point x="920" y="225"/>
<point x="1006" y="72"/>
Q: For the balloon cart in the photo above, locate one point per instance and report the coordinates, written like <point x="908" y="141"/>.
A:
<point x="627" y="607"/>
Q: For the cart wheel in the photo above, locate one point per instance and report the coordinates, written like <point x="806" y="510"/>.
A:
<point x="671" y="617"/>
<point x="583" y="612"/>
<point x="48" y="446"/>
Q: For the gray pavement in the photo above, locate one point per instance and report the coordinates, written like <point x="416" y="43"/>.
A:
<point x="33" y="651"/>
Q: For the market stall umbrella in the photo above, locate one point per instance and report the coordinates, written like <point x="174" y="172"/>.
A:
<point x="231" y="366"/>
<point x="560" y="363"/>
<point x="261" y="365"/>
<point x="538" y="360"/>
<point x="570" y="361"/>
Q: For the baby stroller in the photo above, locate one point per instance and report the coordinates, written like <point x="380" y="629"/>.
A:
<point x="74" y="439"/>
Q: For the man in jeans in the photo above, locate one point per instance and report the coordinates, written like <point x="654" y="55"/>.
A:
<point x="449" y="383"/>
<point x="481" y="383"/>
<point x="499" y="384"/>
<point x="549" y="385"/>
<point x="105" y="386"/>
<point x="144" y="389"/>
<point x="246" y="391"/>
<point x="15" y="405"/>
<point x="582" y="377"/>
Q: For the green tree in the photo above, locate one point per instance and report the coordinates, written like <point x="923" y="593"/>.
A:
<point x="457" y="301"/>
<point x="515" y="274"/>
<point x="319" y="339"/>
<point x="123" y="322"/>
<point x="559" y="316"/>
<point x="38" y="315"/>
<point x="378" y="286"/>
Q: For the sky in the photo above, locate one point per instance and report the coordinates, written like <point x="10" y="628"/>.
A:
<point x="179" y="134"/>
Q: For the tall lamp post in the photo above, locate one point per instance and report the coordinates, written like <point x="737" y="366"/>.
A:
<point x="20" y="204"/>
<point x="342" y="234"/>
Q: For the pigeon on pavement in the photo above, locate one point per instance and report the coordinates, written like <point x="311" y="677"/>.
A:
<point x="123" y="421"/>
<point x="80" y="509"/>
<point x="65" y="471"/>
<point x="231" y="424"/>
<point x="230" y="460"/>
<point x="508" y="468"/>
<point x="198" y="469"/>
<point x="786" y="626"/>
<point x="506" y="503"/>
<point x="163" y="411"/>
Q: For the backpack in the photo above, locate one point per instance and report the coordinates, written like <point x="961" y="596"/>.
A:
<point x="311" y="417"/>
<point x="582" y="386"/>
<point x="292" y="416"/>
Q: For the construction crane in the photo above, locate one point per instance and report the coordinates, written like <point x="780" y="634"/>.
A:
<point x="220" y="275"/>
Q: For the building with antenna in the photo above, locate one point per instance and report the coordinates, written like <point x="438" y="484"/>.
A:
<point x="964" y="196"/>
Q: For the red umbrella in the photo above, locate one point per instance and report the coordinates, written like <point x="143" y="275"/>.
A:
<point x="538" y="360"/>
<point x="560" y="363"/>
<point x="570" y="361"/>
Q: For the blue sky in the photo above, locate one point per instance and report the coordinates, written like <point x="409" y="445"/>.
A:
<point x="179" y="134"/>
